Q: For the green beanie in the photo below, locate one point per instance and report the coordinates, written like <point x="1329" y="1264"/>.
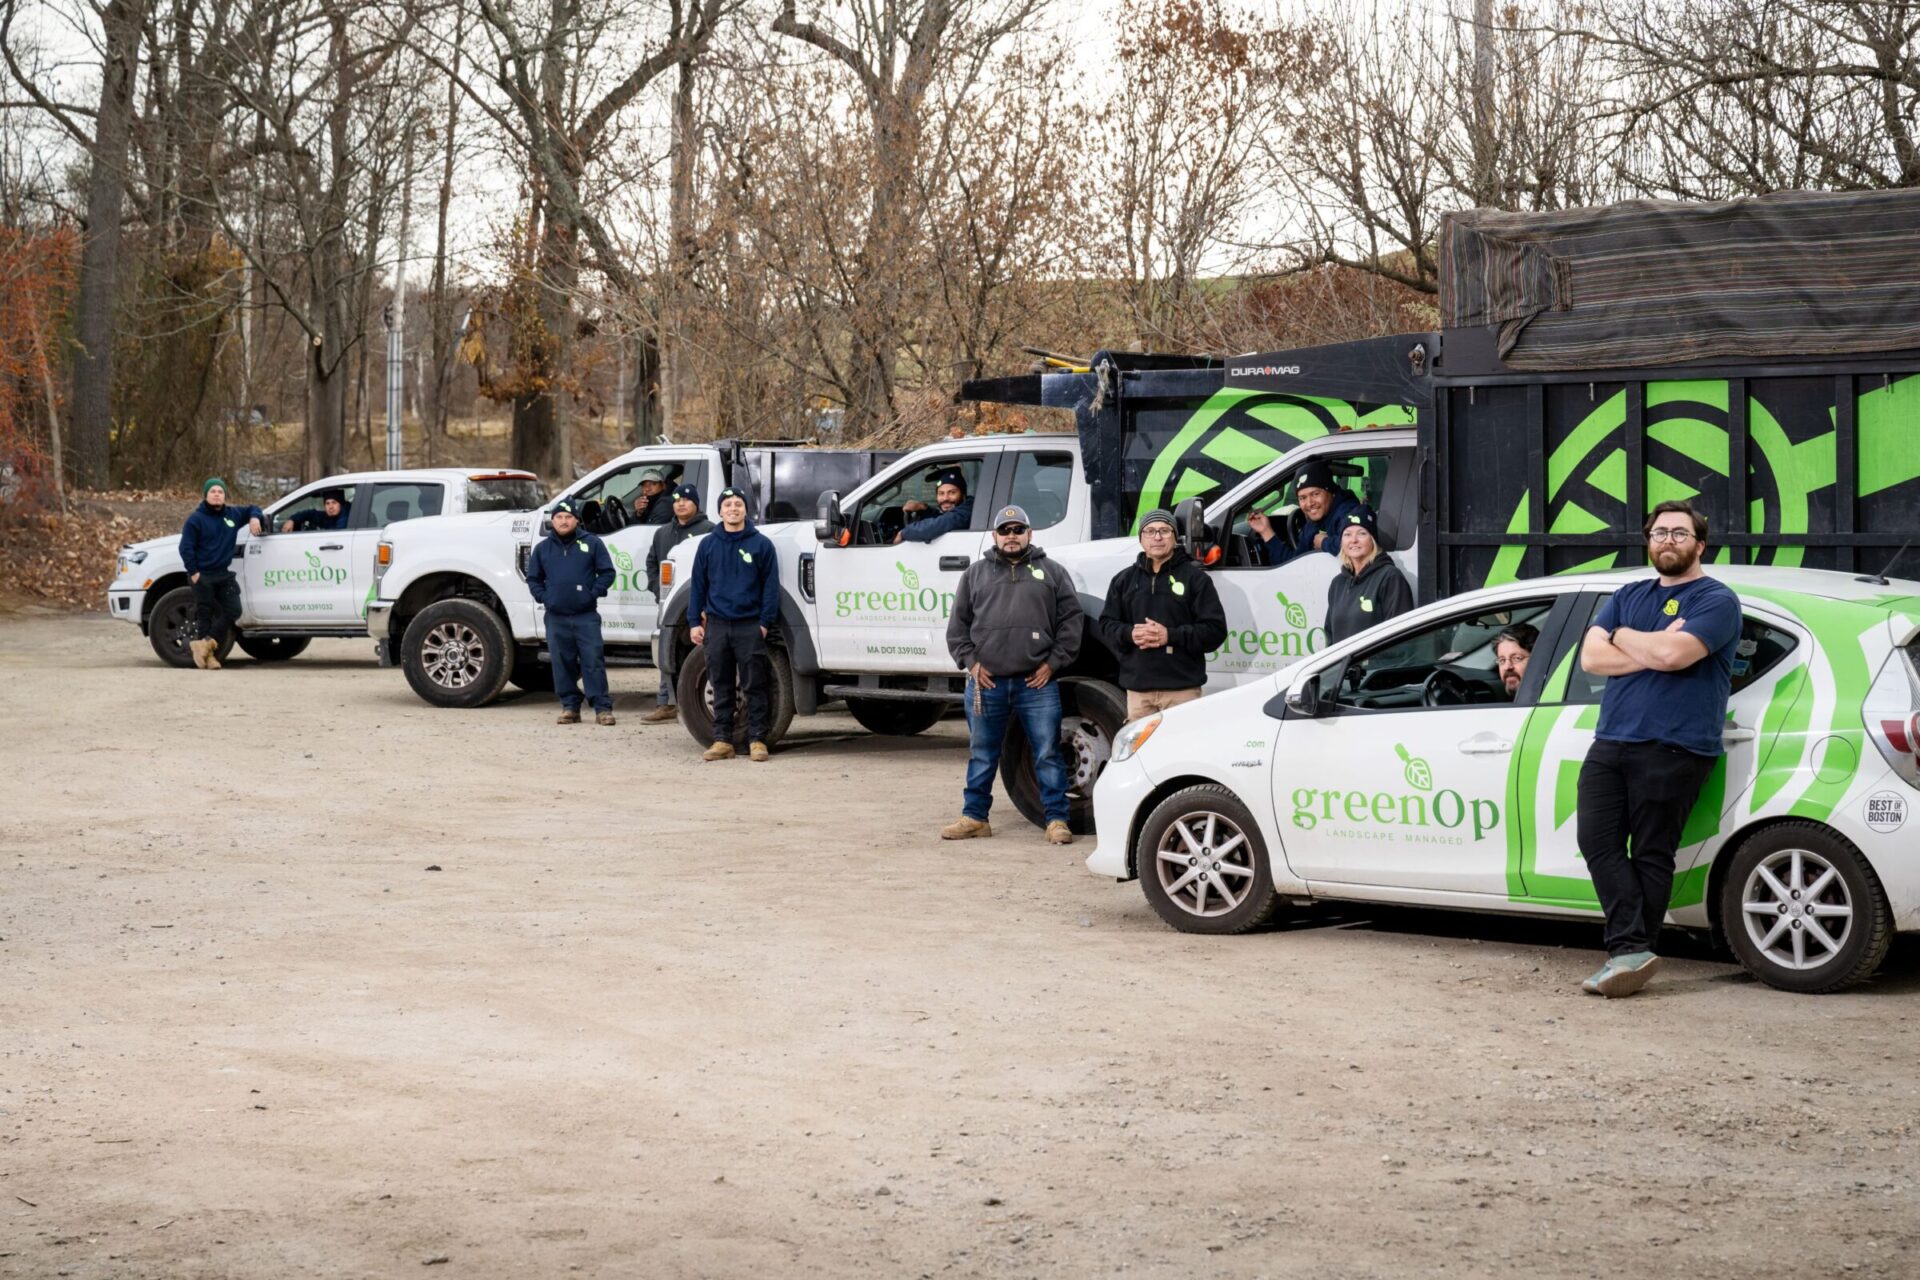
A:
<point x="212" y="481"/>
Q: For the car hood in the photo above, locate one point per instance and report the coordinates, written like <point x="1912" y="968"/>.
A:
<point x="427" y="526"/>
<point x="171" y="542"/>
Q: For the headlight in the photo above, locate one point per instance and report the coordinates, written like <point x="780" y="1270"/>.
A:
<point x="127" y="560"/>
<point x="1133" y="736"/>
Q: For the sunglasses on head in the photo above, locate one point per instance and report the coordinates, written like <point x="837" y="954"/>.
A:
<point x="1011" y="529"/>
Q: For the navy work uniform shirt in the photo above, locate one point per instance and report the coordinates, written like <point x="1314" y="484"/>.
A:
<point x="1685" y="708"/>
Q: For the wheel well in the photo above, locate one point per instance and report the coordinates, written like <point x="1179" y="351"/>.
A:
<point x="1717" y="872"/>
<point x="1151" y="803"/>
<point x="443" y="586"/>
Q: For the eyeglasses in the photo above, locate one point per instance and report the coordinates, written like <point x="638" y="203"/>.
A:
<point x="1515" y="660"/>
<point x="1009" y="530"/>
<point x="1156" y="531"/>
<point x="1671" y="535"/>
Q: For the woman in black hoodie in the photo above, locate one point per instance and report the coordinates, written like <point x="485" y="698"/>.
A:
<point x="1369" y="588"/>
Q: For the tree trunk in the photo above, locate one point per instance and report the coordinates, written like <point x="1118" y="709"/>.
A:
<point x="326" y="411"/>
<point x="540" y="436"/>
<point x="92" y="402"/>
<point x="649" y="422"/>
<point x="677" y="386"/>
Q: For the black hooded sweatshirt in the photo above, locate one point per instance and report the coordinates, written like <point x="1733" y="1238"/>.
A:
<point x="1356" y="603"/>
<point x="1181" y="597"/>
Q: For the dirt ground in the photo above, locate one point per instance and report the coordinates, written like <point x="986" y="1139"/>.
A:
<point x="300" y="977"/>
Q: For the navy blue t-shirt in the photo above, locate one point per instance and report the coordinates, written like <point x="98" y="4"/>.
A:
<point x="1686" y="708"/>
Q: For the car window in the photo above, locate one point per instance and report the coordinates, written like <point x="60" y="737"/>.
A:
<point x="883" y="513"/>
<point x="1042" y="484"/>
<point x="1450" y="663"/>
<point x="395" y="500"/>
<point x="607" y="503"/>
<point x="308" y="505"/>
<point x="1761" y="647"/>
<point x="504" y="493"/>
<point x="1364" y="475"/>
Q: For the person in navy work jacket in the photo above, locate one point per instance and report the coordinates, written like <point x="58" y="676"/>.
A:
<point x="568" y="573"/>
<point x="333" y="512"/>
<point x="1666" y="646"/>
<point x="734" y="599"/>
<point x="956" y="511"/>
<point x="1325" y="507"/>
<point x="207" y="541"/>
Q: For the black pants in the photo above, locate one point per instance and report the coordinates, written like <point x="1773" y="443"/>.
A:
<point x="216" y="603"/>
<point x="738" y="647"/>
<point x="1638" y="794"/>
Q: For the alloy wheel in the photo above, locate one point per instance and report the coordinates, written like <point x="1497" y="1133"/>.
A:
<point x="1204" y="862"/>
<point x="453" y="655"/>
<point x="1796" y="909"/>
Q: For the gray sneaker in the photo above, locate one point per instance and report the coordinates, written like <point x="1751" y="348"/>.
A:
<point x="1624" y="975"/>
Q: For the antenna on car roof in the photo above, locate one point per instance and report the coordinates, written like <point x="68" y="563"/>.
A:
<point x="1880" y="579"/>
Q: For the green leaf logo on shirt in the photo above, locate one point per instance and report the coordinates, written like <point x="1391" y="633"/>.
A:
<point x="747" y="556"/>
<point x="1179" y="587"/>
<point x="1366" y="605"/>
<point x="1034" y="570"/>
<point x="1673" y="609"/>
<point x="227" y="522"/>
<point x="582" y="544"/>
<point x="1418" y="775"/>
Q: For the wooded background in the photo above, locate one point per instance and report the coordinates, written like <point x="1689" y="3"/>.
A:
<point x="624" y="218"/>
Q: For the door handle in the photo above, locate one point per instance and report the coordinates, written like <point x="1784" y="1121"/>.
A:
<point x="1736" y="734"/>
<point x="954" y="562"/>
<point x="332" y="546"/>
<point x="1485" y="747"/>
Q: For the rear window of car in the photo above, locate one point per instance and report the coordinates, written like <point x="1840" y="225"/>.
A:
<point x="505" y="493"/>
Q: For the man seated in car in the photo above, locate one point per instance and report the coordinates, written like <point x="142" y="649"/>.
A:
<point x="1511" y="649"/>
<point x="956" y="511"/>
<point x="1325" y="506"/>
<point x="650" y="506"/>
<point x="332" y="513"/>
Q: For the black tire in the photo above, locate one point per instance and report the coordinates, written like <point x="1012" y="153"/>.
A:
<point x="695" y="697"/>
<point x="1183" y="890"/>
<point x="1091" y="713"/>
<point x="532" y="675"/>
<point x="173" y="623"/>
<point x="1853" y="896"/>
<point x="273" y="648"/>
<point x="896" y="719"/>
<point x="457" y="653"/>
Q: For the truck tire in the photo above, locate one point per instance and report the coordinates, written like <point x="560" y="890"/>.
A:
<point x="457" y="653"/>
<point x="273" y="648"/>
<point x="532" y="675"/>
<point x="695" y="697"/>
<point x="173" y="623"/>
<point x="1091" y="713"/>
<point x="896" y="719"/>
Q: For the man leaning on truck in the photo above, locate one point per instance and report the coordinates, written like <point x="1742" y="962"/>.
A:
<point x="207" y="541"/>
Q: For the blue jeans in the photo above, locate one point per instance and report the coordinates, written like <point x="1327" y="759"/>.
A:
<point x="1039" y="712"/>
<point x="573" y="641"/>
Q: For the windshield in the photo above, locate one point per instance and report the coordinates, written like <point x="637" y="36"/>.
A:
<point x="504" y="493"/>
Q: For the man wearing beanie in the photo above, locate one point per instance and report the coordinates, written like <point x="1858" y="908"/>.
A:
<point x="1324" y="506"/>
<point x="206" y="551"/>
<point x="956" y="511"/>
<point x="687" y="522"/>
<point x="568" y="572"/>
<point x="734" y="595"/>
<point x="1163" y="617"/>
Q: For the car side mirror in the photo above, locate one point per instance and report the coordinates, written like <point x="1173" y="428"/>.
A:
<point x="1190" y="529"/>
<point x="828" y="521"/>
<point x="1305" y="700"/>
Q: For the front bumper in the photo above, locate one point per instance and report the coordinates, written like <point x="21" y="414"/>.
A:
<point x="1117" y="797"/>
<point x="379" y="618"/>
<point x="127" y="603"/>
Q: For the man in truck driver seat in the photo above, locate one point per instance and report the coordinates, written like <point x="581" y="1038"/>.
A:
<point x="1015" y="622"/>
<point x="735" y="594"/>
<point x="1666" y="646"/>
<point x="568" y="573"/>
<point x="1163" y="617"/>
<point x="956" y="511"/>
<point x="333" y="513"/>
<point x="1323" y="503"/>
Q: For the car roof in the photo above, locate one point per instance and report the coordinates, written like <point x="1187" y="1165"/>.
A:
<point x="432" y="473"/>
<point x="1824" y="584"/>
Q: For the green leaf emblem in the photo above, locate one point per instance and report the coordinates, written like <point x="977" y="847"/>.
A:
<point x="621" y="560"/>
<point x="1296" y="612"/>
<point x="313" y="559"/>
<point x="1419" y="776"/>
<point x="910" y="579"/>
<point x="1179" y="587"/>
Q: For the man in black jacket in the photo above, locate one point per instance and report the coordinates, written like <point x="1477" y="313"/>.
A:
<point x="1163" y="617"/>
<point x="687" y="522"/>
<point x="1015" y="623"/>
<point x="568" y="573"/>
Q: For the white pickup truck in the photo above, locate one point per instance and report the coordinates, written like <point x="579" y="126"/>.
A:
<point x="305" y="582"/>
<point x="450" y="604"/>
<point x="863" y="618"/>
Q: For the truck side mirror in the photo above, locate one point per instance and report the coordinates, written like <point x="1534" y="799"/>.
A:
<point x="1190" y="527"/>
<point x="828" y="522"/>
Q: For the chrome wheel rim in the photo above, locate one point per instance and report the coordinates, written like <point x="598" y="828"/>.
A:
<point x="1796" y="909"/>
<point x="1087" y="747"/>
<point x="452" y="654"/>
<point x="1204" y="863"/>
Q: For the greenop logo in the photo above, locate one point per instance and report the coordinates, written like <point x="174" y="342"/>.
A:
<point x="1419" y="816"/>
<point x="913" y="601"/>
<point x="1296" y="640"/>
<point x="315" y="572"/>
<point x="626" y="576"/>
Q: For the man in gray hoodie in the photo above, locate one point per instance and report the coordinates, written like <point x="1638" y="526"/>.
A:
<point x="1015" y="622"/>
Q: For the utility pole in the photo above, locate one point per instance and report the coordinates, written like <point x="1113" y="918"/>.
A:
<point x="397" y="311"/>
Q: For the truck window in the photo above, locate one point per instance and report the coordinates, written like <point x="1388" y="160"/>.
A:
<point x="1042" y="483"/>
<point x="306" y="510"/>
<point x="883" y="513"/>
<point x="607" y="503"/>
<point x="1364" y="475"/>
<point x="504" y="493"/>
<point x="399" y="500"/>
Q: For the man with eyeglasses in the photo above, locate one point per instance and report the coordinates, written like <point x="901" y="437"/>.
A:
<point x="1666" y="646"/>
<point x="1511" y="649"/>
<point x="1016" y="622"/>
<point x="1162" y="618"/>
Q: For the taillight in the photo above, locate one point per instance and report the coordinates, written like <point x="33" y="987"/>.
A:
<point x="1892" y="713"/>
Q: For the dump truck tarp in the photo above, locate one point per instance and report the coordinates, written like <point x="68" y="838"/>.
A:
<point x="1649" y="283"/>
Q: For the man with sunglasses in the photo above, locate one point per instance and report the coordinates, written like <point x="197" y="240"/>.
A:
<point x="1015" y="623"/>
<point x="1666" y="646"/>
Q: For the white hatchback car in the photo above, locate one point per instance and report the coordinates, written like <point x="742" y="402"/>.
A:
<point x="1392" y="767"/>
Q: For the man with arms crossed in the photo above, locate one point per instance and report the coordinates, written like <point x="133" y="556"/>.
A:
<point x="1666" y="646"/>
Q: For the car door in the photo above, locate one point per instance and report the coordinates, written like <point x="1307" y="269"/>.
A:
<point x="1403" y="782"/>
<point x="1769" y="663"/>
<point x="303" y="578"/>
<point x="389" y="502"/>
<point x="884" y="605"/>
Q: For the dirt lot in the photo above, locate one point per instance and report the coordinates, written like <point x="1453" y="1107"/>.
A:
<point x="301" y="977"/>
